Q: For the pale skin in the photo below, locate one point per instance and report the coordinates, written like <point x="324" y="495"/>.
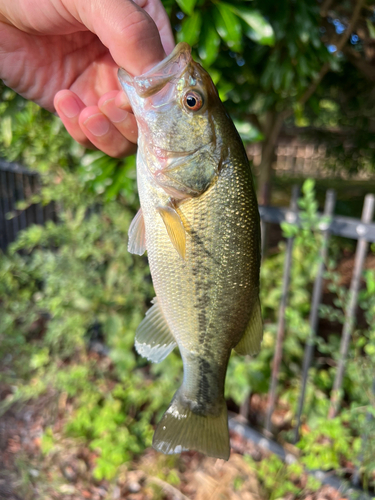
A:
<point x="64" y="55"/>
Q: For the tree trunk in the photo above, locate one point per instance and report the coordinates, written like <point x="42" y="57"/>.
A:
<point x="274" y="122"/>
<point x="271" y="130"/>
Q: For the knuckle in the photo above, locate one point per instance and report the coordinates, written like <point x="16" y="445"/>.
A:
<point x="139" y="28"/>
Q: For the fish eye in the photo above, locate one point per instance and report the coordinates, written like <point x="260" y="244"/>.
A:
<point x="193" y="100"/>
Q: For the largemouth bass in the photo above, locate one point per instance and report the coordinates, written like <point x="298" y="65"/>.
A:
<point x="199" y="223"/>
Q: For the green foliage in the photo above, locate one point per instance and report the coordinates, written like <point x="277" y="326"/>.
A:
<point x="70" y="280"/>
<point x="61" y="283"/>
<point x="327" y="444"/>
<point x="267" y="58"/>
<point x="76" y="277"/>
<point x="264" y="56"/>
<point x="280" y="480"/>
<point x="208" y="22"/>
<point x="34" y="137"/>
<point x="307" y="240"/>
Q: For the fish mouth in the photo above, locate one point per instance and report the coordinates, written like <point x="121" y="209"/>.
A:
<point x="170" y="68"/>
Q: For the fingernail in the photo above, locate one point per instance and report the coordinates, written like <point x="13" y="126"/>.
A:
<point x="97" y="124"/>
<point x="122" y="101"/>
<point x="115" y="114"/>
<point x="69" y="107"/>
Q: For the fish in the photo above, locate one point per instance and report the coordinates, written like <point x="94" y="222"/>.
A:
<point x="199" y="223"/>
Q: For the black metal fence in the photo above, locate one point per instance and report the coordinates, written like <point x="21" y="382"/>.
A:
<point x="18" y="184"/>
<point x="363" y="231"/>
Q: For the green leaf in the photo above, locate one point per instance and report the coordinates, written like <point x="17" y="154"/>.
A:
<point x="228" y="26"/>
<point x="259" y="29"/>
<point x="209" y="42"/>
<point x="6" y="130"/>
<point x="224" y="88"/>
<point x="187" y="6"/>
<point x="308" y="186"/>
<point x="248" y="132"/>
<point x="371" y="28"/>
<point x="190" y="30"/>
<point x="113" y="325"/>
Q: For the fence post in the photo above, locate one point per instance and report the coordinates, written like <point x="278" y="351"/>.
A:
<point x="360" y="255"/>
<point x="5" y="209"/>
<point x="20" y="190"/>
<point x="39" y="214"/>
<point x="12" y="192"/>
<point x="329" y="207"/>
<point x="365" y="436"/>
<point x="281" y="319"/>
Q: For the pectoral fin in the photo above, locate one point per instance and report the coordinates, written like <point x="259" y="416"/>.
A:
<point x="153" y="338"/>
<point x="252" y="338"/>
<point x="175" y="228"/>
<point x="137" y="235"/>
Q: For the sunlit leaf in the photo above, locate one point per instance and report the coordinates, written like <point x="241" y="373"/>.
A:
<point x="187" y="6"/>
<point x="209" y="42"/>
<point x="224" y="87"/>
<point x="190" y="29"/>
<point x="259" y="29"/>
<point x="228" y="26"/>
<point x="371" y="28"/>
<point x="248" y="132"/>
<point x="6" y="130"/>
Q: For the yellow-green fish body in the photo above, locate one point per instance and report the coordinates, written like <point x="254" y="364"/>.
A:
<point x="199" y="222"/>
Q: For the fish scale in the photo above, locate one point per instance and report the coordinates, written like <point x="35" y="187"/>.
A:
<point x="203" y="250"/>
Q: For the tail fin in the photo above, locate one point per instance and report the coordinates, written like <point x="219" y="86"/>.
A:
<point x="181" y="430"/>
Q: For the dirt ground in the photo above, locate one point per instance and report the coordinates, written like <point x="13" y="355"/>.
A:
<point x="65" y="473"/>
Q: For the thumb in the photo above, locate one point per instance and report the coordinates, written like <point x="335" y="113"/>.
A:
<point x="126" y="29"/>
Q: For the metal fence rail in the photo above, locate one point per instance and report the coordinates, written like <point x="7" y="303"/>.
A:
<point x="362" y="230"/>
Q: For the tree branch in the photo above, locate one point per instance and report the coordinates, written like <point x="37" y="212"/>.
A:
<point x="340" y="45"/>
<point x="367" y="69"/>
<point x="325" y="7"/>
<point x="253" y="118"/>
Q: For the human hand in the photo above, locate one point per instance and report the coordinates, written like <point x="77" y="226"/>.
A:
<point x="64" y="55"/>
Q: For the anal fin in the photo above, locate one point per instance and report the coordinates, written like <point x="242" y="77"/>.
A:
<point x="137" y="234"/>
<point x="175" y="228"/>
<point x="153" y="338"/>
<point x="252" y="338"/>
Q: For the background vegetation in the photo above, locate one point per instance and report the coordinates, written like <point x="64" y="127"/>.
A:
<point x="71" y="296"/>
